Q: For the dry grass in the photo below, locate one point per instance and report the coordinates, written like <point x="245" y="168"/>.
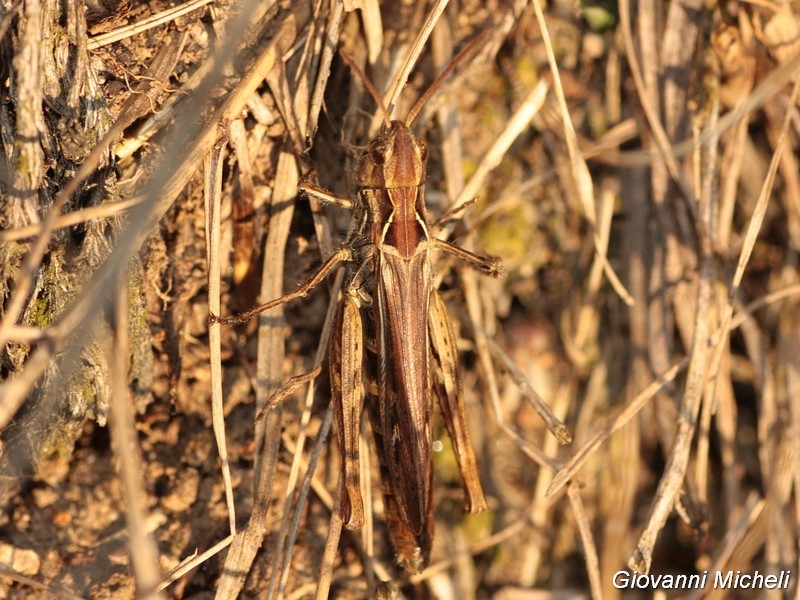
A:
<point x="638" y="177"/>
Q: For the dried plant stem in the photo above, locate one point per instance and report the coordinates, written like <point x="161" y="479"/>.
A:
<point x="612" y="425"/>
<point x="553" y="423"/>
<point x="744" y="313"/>
<point x="76" y="217"/>
<point x="475" y="311"/>
<point x="302" y="498"/>
<point x="515" y="528"/>
<point x="165" y="16"/>
<point x="749" y="520"/>
<point x="213" y="199"/>
<point x="580" y="172"/>
<point x="194" y="561"/>
<point x="589" y="546"/>
<point x="650" y="111"/>
<point x="144" y="552"/>
<point x="518" y="123"/>
<point x="294" y="505"/>
<point x="332" y="28"/>
<point x="753" y="228"/>
<point x="331" y="542"/>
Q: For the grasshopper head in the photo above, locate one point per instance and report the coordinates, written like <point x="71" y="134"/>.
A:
<point x="395" y="158"/>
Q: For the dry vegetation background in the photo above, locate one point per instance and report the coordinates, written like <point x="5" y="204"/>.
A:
<point x="680" y="179"/>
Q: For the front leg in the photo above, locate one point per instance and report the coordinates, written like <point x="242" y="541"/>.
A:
<point x="312" y="190"/>
<point x="487" y="264"/>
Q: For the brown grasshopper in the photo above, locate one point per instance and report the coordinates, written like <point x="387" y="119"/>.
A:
<point x="392" y="329"/>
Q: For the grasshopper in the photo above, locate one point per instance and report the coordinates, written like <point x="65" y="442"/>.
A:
<point x="393" y="347"/>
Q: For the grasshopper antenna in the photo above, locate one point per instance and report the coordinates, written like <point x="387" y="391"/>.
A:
<point x="438" y="81"/>
<point x="367" y="84"/>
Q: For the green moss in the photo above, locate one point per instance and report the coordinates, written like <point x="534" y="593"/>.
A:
<point x="526" y="70"/>
<point x="23" y="166"/>
<point x="477" y="527"/>
<point x="508" y="235"/>
<point x="444" y="461"/>
<point x="40" y="313"/>
<point x="600" y="15"/>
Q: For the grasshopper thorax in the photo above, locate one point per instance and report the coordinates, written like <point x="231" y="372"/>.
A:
<point x="395" y="158"/>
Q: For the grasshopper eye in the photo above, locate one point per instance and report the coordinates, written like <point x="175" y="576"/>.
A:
<point x="423" y="150"/>
<point x="378" y="155"/>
